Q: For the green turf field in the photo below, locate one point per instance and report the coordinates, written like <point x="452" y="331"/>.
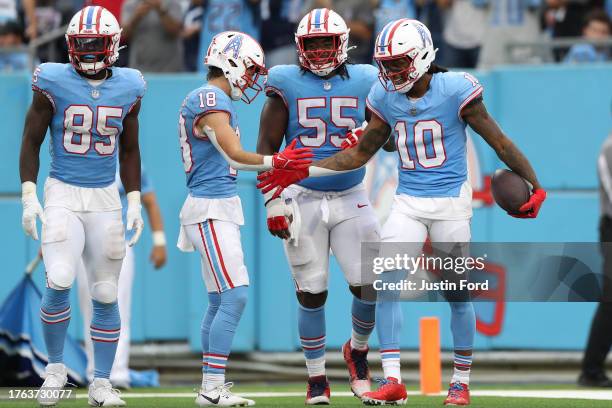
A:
<point x="184" y="397"/>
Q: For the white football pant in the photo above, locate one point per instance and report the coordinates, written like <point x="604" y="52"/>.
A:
<point x="339" y="221"/>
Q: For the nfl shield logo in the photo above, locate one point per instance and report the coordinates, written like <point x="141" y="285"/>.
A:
<point x="327" y="85"/>
<point x="95" y="93"/>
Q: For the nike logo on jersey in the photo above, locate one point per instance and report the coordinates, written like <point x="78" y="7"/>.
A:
<point x="361" y="205"/>
<point x="213" y="400"/>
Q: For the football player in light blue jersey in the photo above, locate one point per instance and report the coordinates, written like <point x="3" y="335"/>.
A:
<point x="315" y="104"/>
<point x="212" y="214"/>
<point x="91" y="110"/>
<point x="426" y="110"/>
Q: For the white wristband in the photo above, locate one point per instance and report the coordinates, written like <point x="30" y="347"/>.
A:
<point x="133" y="198"/>
<point x="267" y="162"/>
<point x="28" y="188"/>
<point x="159" y="238"/>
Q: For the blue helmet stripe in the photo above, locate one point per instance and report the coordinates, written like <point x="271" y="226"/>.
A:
<point x="90" y="13"/>
<point x="383" y="36"/>
<point x="317" y="17"/>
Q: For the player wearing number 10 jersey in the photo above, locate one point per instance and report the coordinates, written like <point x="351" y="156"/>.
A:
<point x="91" y="110"/>
<point x="425" y="110"/>
<point x="316" y="104"/>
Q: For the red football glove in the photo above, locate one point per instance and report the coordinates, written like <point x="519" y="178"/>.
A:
<point x="279" y="179"/>
<point x="352" y="139"/>
<point x="278" y="214"/>
<point x="532" y="207"/>
<point x="292" y="158"/>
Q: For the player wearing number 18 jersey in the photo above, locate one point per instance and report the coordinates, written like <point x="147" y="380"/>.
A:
<point x="91" y="109"/>
<point x="315" y="104"/>
<point x="425" y="109"/>
<point x="212" y="213"/>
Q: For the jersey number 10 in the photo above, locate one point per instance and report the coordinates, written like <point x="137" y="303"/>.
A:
<point x="435" y="144"/>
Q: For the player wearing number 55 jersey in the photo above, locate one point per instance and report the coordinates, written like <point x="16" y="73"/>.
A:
<point x="212" y="214"/>
<point x="315" y="104"/>
<point x="91" y="110"/>
<point x="425" y="109"/>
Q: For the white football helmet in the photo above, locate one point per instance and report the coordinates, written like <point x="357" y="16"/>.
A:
<point x="93" y="36"/>
<point x="241" y="59"/>
<point x="404" y="52"/>
<point x="322" y="23"/>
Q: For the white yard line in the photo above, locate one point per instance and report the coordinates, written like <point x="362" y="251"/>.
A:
<point x="563" y="394"/>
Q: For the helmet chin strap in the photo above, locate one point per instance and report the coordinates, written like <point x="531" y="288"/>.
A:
<point x="235" y="93"/>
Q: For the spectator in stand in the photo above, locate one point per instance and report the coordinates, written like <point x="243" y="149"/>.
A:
<point x="389" y="10"/>
<point x="228" y="15"/>
<point x="279" y="20"/>
<point x="359" y="17"/>
<point x="153" y="30"/>
<point x="10" y="12"/>
<point x="597" y="27"/>
<point x="192" y="25"/>
<point x="463" y="30"/>
<point x="508" y="21"/>
<point x="11" y="37"/>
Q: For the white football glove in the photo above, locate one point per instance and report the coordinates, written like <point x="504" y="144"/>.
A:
<point x="134" y="217"/>
<point x="31" y="209"/>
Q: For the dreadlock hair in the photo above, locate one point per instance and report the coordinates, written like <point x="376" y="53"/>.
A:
<point x="214" y="72"/>
<point x="341" y="70"/>
<point x="435" y="68"/>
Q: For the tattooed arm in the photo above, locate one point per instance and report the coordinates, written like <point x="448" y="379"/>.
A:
<point x="476" y="115"/>
<point x="374" y="137"/>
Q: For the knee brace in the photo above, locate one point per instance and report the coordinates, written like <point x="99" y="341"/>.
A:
<point x="311" y="300"/>
<point x="104" y="291"/>
<point x="60" y="276"/>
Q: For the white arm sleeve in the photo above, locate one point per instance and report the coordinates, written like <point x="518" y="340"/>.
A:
<point x="314" y="171"/>
<point x="267" y="160"/>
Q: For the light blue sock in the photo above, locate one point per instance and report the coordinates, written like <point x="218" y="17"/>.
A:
<point x="105" y="329"/>
<point x="389" y="320"/>
<point x="363" y="315"/>
<point x="55" y="316"/>
<point x="463" y="324"/>
<point x="214" y="300"/>
<point x="222" y="331"/>
<point x="311" y="327"/>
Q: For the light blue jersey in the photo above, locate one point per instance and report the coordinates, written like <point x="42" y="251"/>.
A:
<point x="226" y="15"/>
<point x="321" y="111"/>
<point x="87" y="121"/>
<point x="429" y="133"/>
<point x="208" y="173"/>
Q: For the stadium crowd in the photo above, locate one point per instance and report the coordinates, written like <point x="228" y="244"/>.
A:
<point x="171" y="35"/>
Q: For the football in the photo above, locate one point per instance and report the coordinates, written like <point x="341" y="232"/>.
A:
<point x="510" y="190"/>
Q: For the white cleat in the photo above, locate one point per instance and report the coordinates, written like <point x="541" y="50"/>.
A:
<point x="56" y="377"/>
<point x="222" y="397"/>
<point x="102" y="394"/>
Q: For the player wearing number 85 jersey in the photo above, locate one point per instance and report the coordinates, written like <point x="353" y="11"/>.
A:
<point x="426" y="110"/>
<point x="91" y="110"/>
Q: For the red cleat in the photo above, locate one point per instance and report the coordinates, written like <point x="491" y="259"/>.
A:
<point x="458" y="394"/>
<point x="390" y="392"/>
<point x="318" y="392"/>
<point x="359" y="372"/>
